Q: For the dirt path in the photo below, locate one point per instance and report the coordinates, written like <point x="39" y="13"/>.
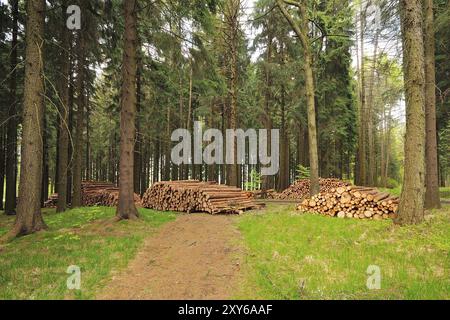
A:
<point x="194" y="257"/>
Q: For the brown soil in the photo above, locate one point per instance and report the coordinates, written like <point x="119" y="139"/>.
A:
<point x="195" y="257"/>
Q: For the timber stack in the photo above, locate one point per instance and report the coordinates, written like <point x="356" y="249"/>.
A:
<point x="263" y="194"/>
<point x="52" y="201"/>
<point x="195" y="196"/>
<point x="101" y="194"/>
<point x="352" y="202"/>
<point x="300" y="188"/>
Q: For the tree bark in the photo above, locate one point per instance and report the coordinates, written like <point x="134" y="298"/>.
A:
<point x="411" y="208"/>
<point x="302" y="33"/>
<point x="63" y="139"/>
<point x="432" y="198"/>
<point x="126" y="208"/>
<point x="362" y="150"/>
<point x="77" y="171"/>
<point x="11" y="142"/>
<point x="29" y="217"/>
<point x="231" y="16"/>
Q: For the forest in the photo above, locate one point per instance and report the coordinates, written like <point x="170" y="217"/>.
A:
<point x="354" y="96"/>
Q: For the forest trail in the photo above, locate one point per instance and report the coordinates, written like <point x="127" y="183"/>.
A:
<point x="194" y="257"/>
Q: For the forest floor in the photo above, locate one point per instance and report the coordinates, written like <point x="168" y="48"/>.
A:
<point x="198" y="256"/>
<point x="35" y="266"/>
<point x="275" y="253"/>
<point x="304" y="256"/>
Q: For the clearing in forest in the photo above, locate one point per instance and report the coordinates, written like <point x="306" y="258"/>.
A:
<point x="194" y="257"/>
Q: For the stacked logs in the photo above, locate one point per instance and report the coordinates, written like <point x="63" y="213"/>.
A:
<point x="94" y="193"/>
<point x="195" y="196"/>
<point x="263" y="194"/>
<point x="52" y="201"/>
<point x="101" y="194"/>
<point x="300" y="188"/>
<point x="352" y="202"/>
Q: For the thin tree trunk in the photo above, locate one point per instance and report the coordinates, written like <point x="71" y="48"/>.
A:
<point x="77" y="171"/>
<point x="231" y="17"/>
<point x="362" y="152"/>
<point x="302" y="33"/>
<point x="29" y="217"/>
<point x="411" y="208"/>
<point x="432" y="198"/>
<point x="126" y="208"/>
<point x="63" y="139"/>
<point x="11" y="142"/>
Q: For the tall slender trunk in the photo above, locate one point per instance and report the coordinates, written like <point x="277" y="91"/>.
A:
<point x="371" y="176"/>
<point x="362" y="150"/>
<point x="63" y="138"/>
<point x="77" y="172"/>
<point x="432" y="198"/>
<point x="45" y="167"/>
<point x="302" y="33"/>
<point x="2" y="157"/>
<point x="138" y="140"/>
<point x="29" y="217"/>
<point x="11" y="142"/>
<point x="126" y="208"/>
<point x="411" y="208"/>
<point x="231" y="17"/>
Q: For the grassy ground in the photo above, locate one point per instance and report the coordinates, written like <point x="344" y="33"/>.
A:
<point x="307" y="256"/>
<point x="34" y="267"/>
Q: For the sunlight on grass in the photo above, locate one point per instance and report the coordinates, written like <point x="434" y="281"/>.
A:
<point x="34" y="267"/>
<point x="306" y="256"/>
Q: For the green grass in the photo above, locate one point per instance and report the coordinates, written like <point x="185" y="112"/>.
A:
<point x="293" y="256"/>
<point x="34" y="267"/>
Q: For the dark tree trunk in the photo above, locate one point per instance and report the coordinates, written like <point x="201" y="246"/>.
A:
<point x="45" y="173"/>
<point x="29" y="217"/>
<point x="432" y="197"/>
<point x="77" y="170"/>
<point x="411" y="208"/>
<point x="138" y="140"/>
<point x="63" y="138"/>
<point x="11" y="142"/>
<point x="2" y="158"/>
<point x="126" y="208"/>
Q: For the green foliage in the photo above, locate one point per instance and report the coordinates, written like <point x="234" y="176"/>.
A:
<point x="255" y="181"/>
<point x="302" y="172"/>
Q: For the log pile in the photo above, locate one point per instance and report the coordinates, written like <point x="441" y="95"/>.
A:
<point x="352" y="202"/>
<point x="101" y="194"/>
<point x="300" y="188"/>
<point x="261" y="194"/>
<point x="195" y="196"/>
<point x="52" y="201"/>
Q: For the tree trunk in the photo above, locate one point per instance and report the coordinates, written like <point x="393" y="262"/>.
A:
<point x="29" y="217"/>
<point x="63" y="139"/>
<point x="302" y="33"/>
<point x="411" y="208"/>
<point x="77" y="171"/>
<point x="432" y="198"/>
<point x="362" y="153"/>
<point x="2" y="157"/>
<point x="371" y="175"/>
<point x="126" y="208"/>
<point x="231" y="17"/>
<point x="11" y="142"/>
